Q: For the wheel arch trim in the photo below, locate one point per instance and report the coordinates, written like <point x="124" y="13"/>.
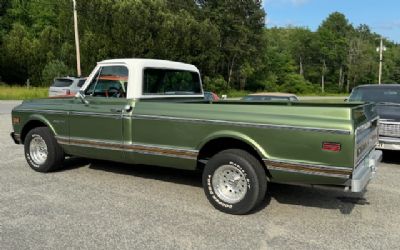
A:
<point x="35" y="118"/>
<point x="228" y="134"/>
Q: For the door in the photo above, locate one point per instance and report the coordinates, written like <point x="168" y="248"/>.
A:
<point x="96" y="128"/>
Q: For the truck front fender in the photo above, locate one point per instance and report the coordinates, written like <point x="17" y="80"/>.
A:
<point x="35" y="120"/>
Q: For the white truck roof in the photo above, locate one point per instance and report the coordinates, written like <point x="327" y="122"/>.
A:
<point x="151" y="63"/>
<point x="136" y="66"/>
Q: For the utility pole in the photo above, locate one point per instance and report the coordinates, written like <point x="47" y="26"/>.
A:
<point x="78" y="51"/>
<point x="323" y="76"/>
<point x="380" y="49"/>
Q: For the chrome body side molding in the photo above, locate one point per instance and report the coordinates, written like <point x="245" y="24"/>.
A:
<point x="311" y="169"/>
<point x="242" y="124"/>
<point x="133" y="147"/>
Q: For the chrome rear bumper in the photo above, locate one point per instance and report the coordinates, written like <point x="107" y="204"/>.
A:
<point x="365" y="171"/>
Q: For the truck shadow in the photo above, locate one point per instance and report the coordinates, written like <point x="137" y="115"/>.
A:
<point x="71" y="163"/>
<point x="285" y="194"/>
<point x="391" y="157"/>
<point x="314" y="197"/>
<point x="178" y="176"/>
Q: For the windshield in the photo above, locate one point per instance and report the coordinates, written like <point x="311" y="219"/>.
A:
<point x="109" y="81"/>
<point x="377" y="95"/>
<point x="62" y="83"/>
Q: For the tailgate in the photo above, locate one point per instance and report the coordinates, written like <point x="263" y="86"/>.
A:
<point x="366" y="130"/>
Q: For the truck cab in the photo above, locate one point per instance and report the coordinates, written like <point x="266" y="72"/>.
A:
<point x="144" y="79"/>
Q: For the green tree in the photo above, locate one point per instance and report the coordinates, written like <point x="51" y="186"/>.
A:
<point x="18" y="50"/>
<point x="295" y="83"/>
<point x="227" y="40"/>
<point x="276" y="61"/>
<point x="240" y="24"/>
<point x="332" y="40"/>
<point x="54" y="69"/>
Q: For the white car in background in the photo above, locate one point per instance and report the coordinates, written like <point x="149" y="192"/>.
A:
<point x="66" y="86"/>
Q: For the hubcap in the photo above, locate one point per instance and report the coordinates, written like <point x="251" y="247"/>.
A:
<point x="229" y="184"/>
<point x="38" y="150"/>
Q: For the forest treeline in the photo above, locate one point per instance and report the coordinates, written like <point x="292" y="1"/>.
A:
<point x="226" y="39"/>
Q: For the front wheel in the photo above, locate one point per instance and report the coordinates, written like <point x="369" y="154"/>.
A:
<point x="234" y="181"/>
<point x="42" y="152"/>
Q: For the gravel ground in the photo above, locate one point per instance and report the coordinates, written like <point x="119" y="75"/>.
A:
<point x="104" y="205"/>
<point x="6" y="106"/>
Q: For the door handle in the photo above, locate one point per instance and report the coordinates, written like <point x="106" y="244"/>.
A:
<point x="126" y="109"/>
<point x="116" y="110"/>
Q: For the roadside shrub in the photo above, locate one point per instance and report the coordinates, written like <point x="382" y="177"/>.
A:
<point x="216" y="84"/>
<point x="235" y="93"/>
<point x="333" y="88"/>
<point x="268" y="84"/>
<point x="54" y="69"/>
<point x="296" y="84"/>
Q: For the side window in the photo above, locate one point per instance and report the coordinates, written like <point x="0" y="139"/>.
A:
<point x="170" y="82"/>
<point x="109" y="81"/>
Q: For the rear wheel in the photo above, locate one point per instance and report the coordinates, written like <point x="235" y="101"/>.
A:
<point x="234" y="181"/>
<point x="42" y="152"/>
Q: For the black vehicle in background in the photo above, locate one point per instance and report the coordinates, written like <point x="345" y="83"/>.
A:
<point x="387" y="100"/>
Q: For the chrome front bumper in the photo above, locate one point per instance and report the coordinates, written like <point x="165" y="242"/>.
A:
<point x="389" y="143"/>
<point x="365" y="171"/>
<point x="16" y="138"/>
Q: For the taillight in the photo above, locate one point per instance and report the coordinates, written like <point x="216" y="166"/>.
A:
<point x="67" y="92"/>
<point x="331" y="146"/>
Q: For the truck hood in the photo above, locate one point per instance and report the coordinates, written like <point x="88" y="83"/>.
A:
<point x="389" y="111"/>
<point x="50" y="99"/>
<point x="59" y="103"/>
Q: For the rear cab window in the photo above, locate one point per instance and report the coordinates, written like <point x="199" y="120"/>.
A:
<point x="171" y="82"/>
<point x="62" y="82"/>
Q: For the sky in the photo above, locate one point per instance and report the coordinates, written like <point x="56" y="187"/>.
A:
<point x="382" y="16"/>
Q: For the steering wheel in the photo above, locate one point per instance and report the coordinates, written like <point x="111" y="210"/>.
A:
<point x="113" y="92"/>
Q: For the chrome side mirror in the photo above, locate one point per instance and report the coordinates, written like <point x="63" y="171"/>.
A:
<point x="81" y="96"/>
<point x="127" y="108"/>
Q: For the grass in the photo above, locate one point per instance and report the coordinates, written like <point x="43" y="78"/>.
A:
<point x="234" y="93"/>
<point x="22" y="93"/>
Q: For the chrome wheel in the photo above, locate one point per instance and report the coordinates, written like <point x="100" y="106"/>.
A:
<point x="38" y="150"/>
<point x="229" y="184"/>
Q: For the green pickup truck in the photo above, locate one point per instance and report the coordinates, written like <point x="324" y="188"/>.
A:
<point x="152" y="112"/>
